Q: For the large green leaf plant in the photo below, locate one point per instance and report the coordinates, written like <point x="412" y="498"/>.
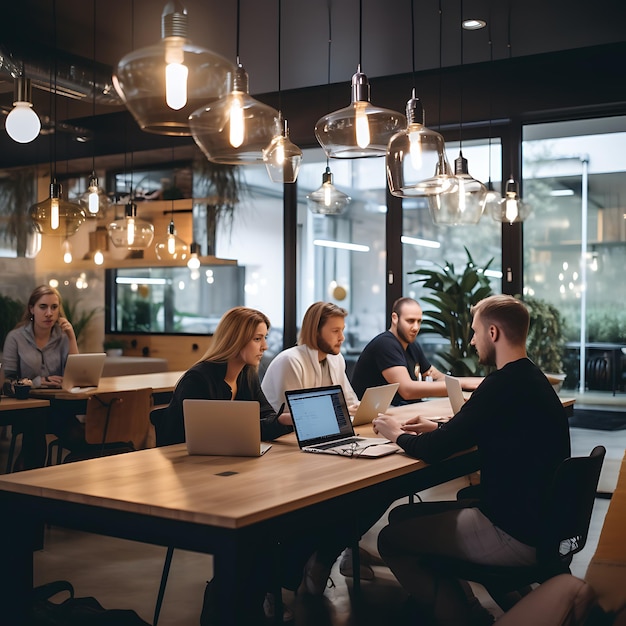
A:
<point x="451" y="297"/>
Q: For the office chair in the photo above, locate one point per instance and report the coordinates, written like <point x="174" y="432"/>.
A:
<point x="564" y="525"/>
<point x="115" y="422"/>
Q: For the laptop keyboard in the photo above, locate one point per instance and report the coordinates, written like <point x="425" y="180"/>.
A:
<point x="336" y="444"/>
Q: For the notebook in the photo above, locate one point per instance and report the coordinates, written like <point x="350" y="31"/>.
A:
<point x="455" y="393"/>
<point x="83" y="371"/>
<point x="322" y="424"/>
<point x="375" y="400"/>
<point x="223" y="428"/>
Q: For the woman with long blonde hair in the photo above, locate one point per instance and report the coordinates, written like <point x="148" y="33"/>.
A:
<point x="227" y="371"/>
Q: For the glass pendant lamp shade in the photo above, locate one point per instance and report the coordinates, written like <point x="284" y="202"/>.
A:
<point x="171" y="247"/>
<point x="493" y="199"/>
<point x="511" y="208"/>
<point x="464" y="204"/>
<point x="95" y="200"/>
<point x="413" y="155"/>
<point x="361" y="129"/>
<point x="131" y="232"/>
<point x="22" y="123"/>
<point x="235" y="129"/>
<point x="161" y="85"/>
<point x="33" y="241"/>
<point x="282" y="158"/>
<point x="55" y="216"/>
<point x="327" y="200"/>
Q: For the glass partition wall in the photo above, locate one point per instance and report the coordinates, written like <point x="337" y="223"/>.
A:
<point x="575" y="240"/>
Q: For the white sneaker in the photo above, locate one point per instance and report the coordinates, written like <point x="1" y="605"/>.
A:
<point x="269" y="605"/>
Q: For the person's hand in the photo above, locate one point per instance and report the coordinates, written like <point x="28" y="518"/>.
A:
<point x="52" y="381"/>
<point x="285" y="419"/>
<point x="417" y="425"/>
<point x="352" y="409"/>
<point x="387" y="426"/>
<point x="66" y="327"/>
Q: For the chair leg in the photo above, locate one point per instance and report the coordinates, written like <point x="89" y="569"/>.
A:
<point x="11" y="452"/>
<point x="164" y="575"/>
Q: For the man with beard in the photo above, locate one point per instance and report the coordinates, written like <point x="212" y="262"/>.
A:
<point x="395" y="357"/>
<point x="498" y="525"/>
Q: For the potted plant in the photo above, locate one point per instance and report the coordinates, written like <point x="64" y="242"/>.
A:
<point x="546" y="339"/>
<point x="114" y="347"/>
<point x="452" y="295"/>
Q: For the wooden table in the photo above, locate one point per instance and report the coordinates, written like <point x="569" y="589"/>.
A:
<point x="225" y="506"/>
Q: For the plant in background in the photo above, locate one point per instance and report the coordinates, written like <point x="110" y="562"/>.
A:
<point x="10" y="314"/>
<point x="546" y="335"/>
<point x="452" y="295"/>
<point x="78" y="317"/>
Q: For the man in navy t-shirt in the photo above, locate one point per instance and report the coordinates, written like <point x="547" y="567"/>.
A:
<point x="395" y="357"/>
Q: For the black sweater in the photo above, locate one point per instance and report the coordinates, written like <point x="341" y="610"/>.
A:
<point x="205" y="381"/>
<point x="520" y="428"/>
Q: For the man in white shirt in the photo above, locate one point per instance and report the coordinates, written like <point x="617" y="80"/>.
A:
<point x="316" y="361"/>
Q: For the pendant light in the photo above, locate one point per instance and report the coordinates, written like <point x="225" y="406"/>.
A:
<point x="493" y="197"/>
<point x="162" y="84"/>
<point x="94" y="201"/>
<point x="327" y="199"/>
<point x="130" y="232"/>
<point x="235" y="129"/>
<point x="511" y="208"/>
<point x="194" y="258"/>
<point x="361" y="129"/>
<point x="171" y="247"/>
<point x="66" y="249"/>
<point x="22" y="123"/>
<point x="282" y="157"/>
<point x="414" y="153"/>
<point x="54" y="215"/>
<point x="466" y="202"/>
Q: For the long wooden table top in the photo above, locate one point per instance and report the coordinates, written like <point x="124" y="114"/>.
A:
<point x="159" y="382"/>
<point x="13" y="404"/>
<point x="168" y="483"/>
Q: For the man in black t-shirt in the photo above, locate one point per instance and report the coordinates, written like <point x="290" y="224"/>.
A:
<point x="395" y="357"/>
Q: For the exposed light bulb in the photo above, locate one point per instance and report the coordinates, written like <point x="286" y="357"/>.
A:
<point x="66" y="248"/>
<point x="171" y="244"/>
<point x="54" y="213"/>
<point x="194" y="262"/>
<point x="236" y="120"/>
<point x="462" y="191"/>
<point x="130" y="230"/>
<point x="93" y="201"/>
<point x="415" y="150"/>
<point x="328" y="189"/>
<point x="510" y="211"/>
<point x="362" y="125"/>
<point x="280" y="152"/>
<point x="22" y="123"/>
<point x="98" y="257"/>
<point x="176" y="73"/>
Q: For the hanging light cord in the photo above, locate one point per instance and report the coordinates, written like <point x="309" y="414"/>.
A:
<point x="461" y="93"/>
<point x="237" y="39"/>
<point x="330" y="41"/>
<point x="491" y="97"/>
<point x="440" y="65"/>
<point x="360" y="33"/>
<point x="413" y="43"/>
<point x="93" y="100"/>
<point x="53" y="100"/>
<point x="280" y="14"/>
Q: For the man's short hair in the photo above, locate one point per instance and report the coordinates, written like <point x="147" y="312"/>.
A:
<point x="314" y="319"/>
<point x="399" y="304"/>
<point x="507" y="313"/>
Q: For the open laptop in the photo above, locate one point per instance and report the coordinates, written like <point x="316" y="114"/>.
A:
<point x="223" y="428"/>
<point x="375" y="400"/>
<point x="322" y="424"/>
<point x="455" y="393"/>
<point x="83" y="371"/>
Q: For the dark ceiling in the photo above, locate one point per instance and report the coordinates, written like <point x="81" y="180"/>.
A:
<point x="58" y="35"/>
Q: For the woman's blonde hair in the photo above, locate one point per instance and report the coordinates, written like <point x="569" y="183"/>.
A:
<point x="236" y="328"/>
<point x="314" y="319"/>
<point x="38" y="293"/>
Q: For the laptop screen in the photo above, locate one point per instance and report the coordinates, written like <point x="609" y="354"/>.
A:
<point x="319" y="415"/>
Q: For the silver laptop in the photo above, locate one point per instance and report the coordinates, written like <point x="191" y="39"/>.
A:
<point x="322" y="424"/>
<point x="83" y="371"/>
<point x="455" y="393"/>
<point x="375" y="400"/>
<point x="223" y="428"/>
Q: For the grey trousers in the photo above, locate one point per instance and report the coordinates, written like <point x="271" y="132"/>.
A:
<point x="455" y="529"/>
